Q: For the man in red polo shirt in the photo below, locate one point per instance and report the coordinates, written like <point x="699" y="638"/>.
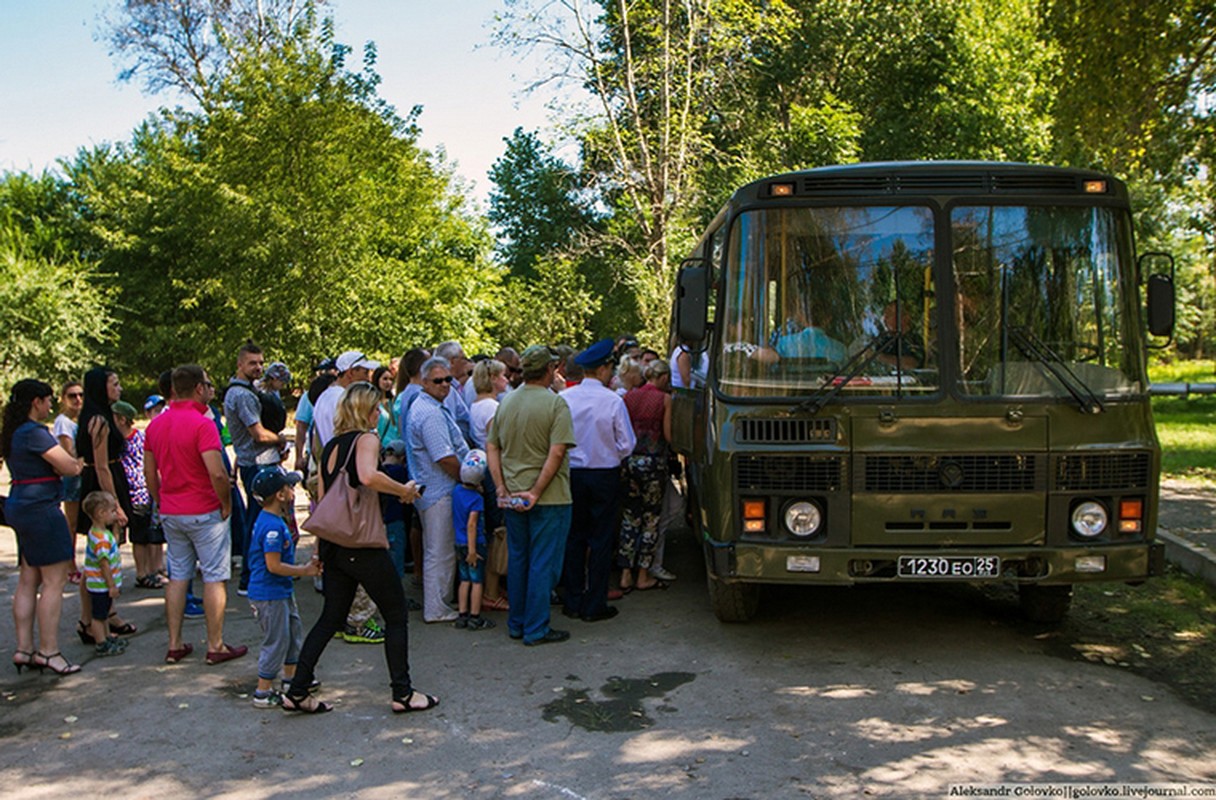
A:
<point x="188" y="482"/>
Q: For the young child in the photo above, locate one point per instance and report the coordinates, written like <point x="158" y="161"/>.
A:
<point x="103" y="570"/>
<point x="271" y="570"/>
<point x="392" y="463"/>
<point x="468" y="518"/>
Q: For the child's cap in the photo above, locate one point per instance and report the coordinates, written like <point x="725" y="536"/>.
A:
<point x="153" y="401"/>
<point x="473" y="468"/>
<point x="270" y="479"/>
<point x="125" y="410"/>
<point x="395" y="446"/>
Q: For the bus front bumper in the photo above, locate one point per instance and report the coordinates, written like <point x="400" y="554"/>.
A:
<point x="750" y="562"/>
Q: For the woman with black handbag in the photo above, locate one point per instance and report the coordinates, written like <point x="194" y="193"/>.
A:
<point x="357" y="555"/>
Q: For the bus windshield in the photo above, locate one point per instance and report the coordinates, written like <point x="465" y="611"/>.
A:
<point x="1040" y="309"/>
<point x="815" y="295"/>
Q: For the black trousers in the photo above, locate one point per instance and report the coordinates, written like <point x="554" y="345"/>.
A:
<point x="589" y="547"/>
<point x="345" y="569"/>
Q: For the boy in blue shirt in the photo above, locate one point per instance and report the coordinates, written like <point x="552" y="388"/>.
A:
<point x="468" y="518"/>
<point x="272" y="567"/>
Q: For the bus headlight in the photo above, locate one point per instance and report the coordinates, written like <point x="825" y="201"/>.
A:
<point x="1089" y="519"/>
<point x="803" y="518"/>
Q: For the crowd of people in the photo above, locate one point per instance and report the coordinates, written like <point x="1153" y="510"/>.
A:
<point x="520" y="482"/>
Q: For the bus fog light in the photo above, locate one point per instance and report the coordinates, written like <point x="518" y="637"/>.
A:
<point x="802" y="563"/>
<point x="803" y="518"/>
<point x="1090" y="564"/>
<point x="1089" y="519"/>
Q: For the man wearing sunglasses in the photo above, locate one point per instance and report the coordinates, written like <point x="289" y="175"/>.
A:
<point x="71" y="401"/>
<point x="515" y="373"/>
<point x="435" y="448"/>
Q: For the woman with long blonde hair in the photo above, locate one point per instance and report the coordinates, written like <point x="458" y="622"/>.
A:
<point x="347" y="568"/>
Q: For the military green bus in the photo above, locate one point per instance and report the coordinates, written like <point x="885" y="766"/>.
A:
<point x="921" y="372"/>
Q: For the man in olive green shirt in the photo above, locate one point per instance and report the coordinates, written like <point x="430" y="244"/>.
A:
<point x="526" y="450"/>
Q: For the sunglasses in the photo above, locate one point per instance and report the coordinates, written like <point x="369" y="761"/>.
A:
<point x="438" y="381"/>
<point x="74" y="395"/>
<point x="515" y="370"/>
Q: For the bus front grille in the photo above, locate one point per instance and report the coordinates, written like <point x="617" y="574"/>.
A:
<point x="769" y="473"/>
<point x="772" y="430"/>
<point x="1092" y="472"/>
<point x="964" y="472"/>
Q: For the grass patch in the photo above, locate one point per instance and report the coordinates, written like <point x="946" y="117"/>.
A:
<point x="1186" y="426"/>
<point x="1164" y="630"/>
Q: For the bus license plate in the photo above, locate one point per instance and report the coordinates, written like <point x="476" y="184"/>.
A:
<point x="949" y="567"/>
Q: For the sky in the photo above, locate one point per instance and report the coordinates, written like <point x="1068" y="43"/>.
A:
<point x="59" y="89"/>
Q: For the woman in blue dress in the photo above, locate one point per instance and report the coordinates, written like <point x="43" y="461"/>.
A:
<point x="36" y="462"/>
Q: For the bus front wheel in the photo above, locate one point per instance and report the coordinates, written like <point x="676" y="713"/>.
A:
<point x="733" y="602"/>
<point x="1045" y="603"/>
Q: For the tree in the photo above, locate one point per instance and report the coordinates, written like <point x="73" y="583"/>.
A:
<point x="294" y="207"/>
<point x="190" y="45"/>
<point x="553" y="306"/>
<point x="535" y="203"/>
<point x="56" y="321"/>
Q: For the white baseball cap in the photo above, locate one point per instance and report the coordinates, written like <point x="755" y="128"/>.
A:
<point x="353" y="358"/>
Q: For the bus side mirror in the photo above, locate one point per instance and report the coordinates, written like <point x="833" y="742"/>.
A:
<point x="692" y="303"/>
<point x="1160" y="305"/>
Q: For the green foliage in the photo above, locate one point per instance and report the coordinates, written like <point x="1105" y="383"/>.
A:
<point x="554" y="306"/>
<point x="534" y="204"/>
<point x="296" y="210"/>
<point x="55" y="319"/>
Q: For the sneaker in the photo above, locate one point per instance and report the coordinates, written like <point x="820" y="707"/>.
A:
<point x="368" y="633"/>
<point x="110" y="647"/>
<point x="662" y="574"/>
<point x="242" y="592"/>
<point x="194" y="610"/>
<point x="480" y="623"/>
<point x="551" y="636"/>
<point x="271" y="699"/>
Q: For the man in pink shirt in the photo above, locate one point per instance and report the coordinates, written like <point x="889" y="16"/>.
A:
<point x="187" y="480"/>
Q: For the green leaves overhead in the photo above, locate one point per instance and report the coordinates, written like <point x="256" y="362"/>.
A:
<point x="296" y="210"/>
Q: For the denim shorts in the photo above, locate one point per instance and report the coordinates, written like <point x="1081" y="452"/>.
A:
<point x="71" y="488"/>
<point x="198" y="538"/>
<point x="464" y="572"/>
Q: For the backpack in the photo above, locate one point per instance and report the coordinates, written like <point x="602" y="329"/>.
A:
<point x="273" y="413"/>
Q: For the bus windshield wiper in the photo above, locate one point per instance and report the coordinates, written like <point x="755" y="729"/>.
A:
<point x="1035" y="348"/>
<point x="838" y="380"/>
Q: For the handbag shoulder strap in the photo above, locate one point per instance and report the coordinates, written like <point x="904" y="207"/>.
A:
<point x="343" y="469"/>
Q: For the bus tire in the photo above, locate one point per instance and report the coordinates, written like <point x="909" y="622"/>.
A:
<point x="1045" y="603"/>
<point x="733" y="602"/>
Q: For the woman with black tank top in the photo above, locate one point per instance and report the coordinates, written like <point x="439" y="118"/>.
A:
<point x="347" y="568"/>
<point x="100" y="444"/>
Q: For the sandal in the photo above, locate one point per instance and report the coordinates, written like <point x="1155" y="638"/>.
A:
<point x="656" y="585"/>
<point x="303" y="706"/>
<point x="125" y="629"/>
<point x="74" y="577"/>
<point x="406" y="708"/>
<point x="150" y="581"/>
<point x="82" y="630"/>
<point x="68" y="667"/>
<point x="497" y="604"/>
<point x="25" y="663"/>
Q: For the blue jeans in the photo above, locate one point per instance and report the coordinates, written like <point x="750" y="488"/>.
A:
<point x="536" y="546"/>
